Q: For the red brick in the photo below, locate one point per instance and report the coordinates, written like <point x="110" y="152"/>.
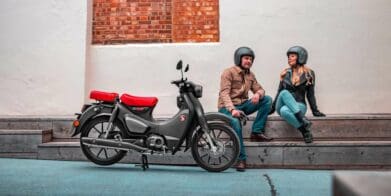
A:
<point x="147" y="21"/>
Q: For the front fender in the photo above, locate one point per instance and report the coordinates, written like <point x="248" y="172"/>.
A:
<point x="217" y="116"/>
<point x="210" y="117"/>
<point x="92" y="112"/>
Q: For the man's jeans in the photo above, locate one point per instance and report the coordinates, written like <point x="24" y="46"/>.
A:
<point x="263" y="108"/>
<point x="287" y="107"/>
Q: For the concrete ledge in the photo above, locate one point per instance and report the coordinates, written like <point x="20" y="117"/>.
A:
<point x="72" y="151"/>
<point x="61" y="125"/>
<point x="319" y="155"/>
<point x="332" y="127"/>
<point x="22" y="141"/>
<point x="355" y="183"/>
<point x="20" y="155"/>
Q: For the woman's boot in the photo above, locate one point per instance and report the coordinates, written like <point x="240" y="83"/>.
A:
<point x="307" y="135"/>
<point x="303" y="120"/>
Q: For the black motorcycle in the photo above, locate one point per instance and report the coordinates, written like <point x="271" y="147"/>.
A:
<point x="115" y="125"/>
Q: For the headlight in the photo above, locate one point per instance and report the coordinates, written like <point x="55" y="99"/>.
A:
<point x="198" y="91"/>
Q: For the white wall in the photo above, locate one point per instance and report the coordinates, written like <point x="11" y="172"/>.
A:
<point x="42" y="56"/>
<point x="348" y="42"/>
<point x="47" y="69"/>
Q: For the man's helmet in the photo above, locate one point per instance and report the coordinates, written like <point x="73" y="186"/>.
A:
<point x="302" y="54"/>
<point x="240" y="52"/>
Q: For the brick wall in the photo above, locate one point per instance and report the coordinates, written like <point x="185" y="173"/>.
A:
<point x="195" y="20"/>
<point x="151" y="21"/>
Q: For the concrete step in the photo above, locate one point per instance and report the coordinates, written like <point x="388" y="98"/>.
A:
<point x="21" y="155"/>
<point x="319" y="155"/>
<point x="336" y="127"/>
<point x="333" y="127"/>
<point x="23" y="141"/>
<point x="72" y="151"/>
<point x="60" y="125"/>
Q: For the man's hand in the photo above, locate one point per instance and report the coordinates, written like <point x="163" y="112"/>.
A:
<point x="257" y="96"/>
<point x="235" y="113"/>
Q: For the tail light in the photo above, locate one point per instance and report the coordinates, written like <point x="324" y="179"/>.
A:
<point x="76" y="123"/>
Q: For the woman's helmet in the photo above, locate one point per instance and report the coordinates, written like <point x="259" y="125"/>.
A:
<point x="302" y="54"/>
<point x="240" y="52"/>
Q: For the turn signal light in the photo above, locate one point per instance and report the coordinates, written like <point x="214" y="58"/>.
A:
<point x="76" y="123"/>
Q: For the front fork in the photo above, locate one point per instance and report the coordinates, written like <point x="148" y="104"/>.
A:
<point x="209" y="137"/>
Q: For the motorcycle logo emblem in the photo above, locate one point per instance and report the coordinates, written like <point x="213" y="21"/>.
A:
<point x="182" y="117"/>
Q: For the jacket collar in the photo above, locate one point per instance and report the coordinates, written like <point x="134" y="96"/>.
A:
<point x="288" y="78"/>
<point x="240" y="70"/>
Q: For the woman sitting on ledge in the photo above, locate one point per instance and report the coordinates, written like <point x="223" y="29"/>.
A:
<point x="296" y="81"/>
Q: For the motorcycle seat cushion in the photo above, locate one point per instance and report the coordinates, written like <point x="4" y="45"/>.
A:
<point x="103" y="96"/>
<point x="131" y="100"/>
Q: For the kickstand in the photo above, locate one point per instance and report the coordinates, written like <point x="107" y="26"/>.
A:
<point x="144" y="162"/>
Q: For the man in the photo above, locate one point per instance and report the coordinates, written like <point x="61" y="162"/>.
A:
<point x="235" y="84"/>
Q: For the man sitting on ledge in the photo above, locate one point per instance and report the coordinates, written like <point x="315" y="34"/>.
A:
<point x="235" y="84"/>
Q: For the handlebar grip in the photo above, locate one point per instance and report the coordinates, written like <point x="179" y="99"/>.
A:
<point x="176" y="82"/>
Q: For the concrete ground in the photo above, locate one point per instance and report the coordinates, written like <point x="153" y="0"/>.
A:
<point x="41" y="177"/>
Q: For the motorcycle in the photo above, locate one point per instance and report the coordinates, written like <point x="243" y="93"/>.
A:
<point x="114" y="125"/>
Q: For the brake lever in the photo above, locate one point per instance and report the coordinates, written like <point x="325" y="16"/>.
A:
<point x="243" y="118"/>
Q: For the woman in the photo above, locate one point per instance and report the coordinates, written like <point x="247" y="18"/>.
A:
<point x="296" y="81"/>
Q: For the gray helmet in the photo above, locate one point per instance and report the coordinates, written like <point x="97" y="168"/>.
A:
<point x="302" y="54"/>
<point x="240" y="52"/>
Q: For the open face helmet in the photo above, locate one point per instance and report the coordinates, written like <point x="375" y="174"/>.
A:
<point x="302" y="54"/>
<point x="240" y="52"/>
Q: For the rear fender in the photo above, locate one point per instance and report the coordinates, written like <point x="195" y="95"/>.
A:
<point x="92" y="112"/>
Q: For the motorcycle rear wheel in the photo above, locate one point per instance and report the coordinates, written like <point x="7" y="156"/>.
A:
<point x="96" y="128"/>
<point x="227" y="143"/>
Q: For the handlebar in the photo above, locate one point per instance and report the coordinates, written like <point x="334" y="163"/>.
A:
<point x="177" y="82"/>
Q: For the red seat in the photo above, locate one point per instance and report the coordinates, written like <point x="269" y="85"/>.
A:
<point x="103" y="96"/>
<point x="131" y="100"/>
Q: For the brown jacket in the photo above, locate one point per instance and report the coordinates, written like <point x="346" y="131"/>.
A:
<point x="234" y="86"/>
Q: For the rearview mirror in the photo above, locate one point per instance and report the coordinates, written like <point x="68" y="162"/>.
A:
<point x="187" y="68"/>
<point x="179" y="65"/>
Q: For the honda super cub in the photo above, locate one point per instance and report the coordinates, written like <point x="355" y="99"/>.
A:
<point x="115" y="125"/>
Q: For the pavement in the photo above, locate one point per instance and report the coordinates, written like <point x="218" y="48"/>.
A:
<point x="44" y="177"/>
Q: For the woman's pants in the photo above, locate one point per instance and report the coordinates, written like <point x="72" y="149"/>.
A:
<point x="287" y="107"/>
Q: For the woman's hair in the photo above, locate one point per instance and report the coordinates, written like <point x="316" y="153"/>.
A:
<point x="302" y="69"/>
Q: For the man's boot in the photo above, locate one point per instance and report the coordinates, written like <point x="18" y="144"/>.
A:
<point x="307" y="135"/>
<point x="241" y="165"/>
<point x="260" y="137"/>
<point x="303" y="120"/>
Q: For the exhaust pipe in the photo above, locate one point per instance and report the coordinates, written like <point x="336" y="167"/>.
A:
<point x="108" y="143"/>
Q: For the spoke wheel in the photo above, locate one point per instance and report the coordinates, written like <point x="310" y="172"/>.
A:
<point x="96" y="128"/>
<point x="227" y="148"/>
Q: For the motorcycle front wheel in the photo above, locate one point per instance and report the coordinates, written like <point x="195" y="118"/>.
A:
<point x="227" y="148"/>
<point x="96" y="128"/>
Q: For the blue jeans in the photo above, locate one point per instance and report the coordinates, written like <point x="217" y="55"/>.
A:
<point x="287" y="107"/>
<point x="263" y="107"/>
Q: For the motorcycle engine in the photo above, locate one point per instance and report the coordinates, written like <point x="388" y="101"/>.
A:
<point x="155" y="142"/>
